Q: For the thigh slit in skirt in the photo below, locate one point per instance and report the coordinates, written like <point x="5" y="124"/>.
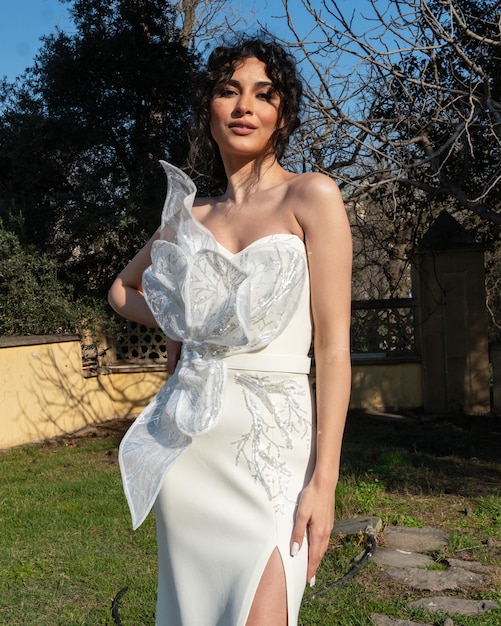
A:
<point x="230" y="500"/>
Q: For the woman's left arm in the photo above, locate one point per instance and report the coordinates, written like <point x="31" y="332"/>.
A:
<point x="329" y="249"/>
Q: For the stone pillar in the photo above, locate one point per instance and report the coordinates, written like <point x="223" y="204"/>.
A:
<point x="451" y="320"/>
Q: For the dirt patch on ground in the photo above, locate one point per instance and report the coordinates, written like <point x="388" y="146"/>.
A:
<point x="111" y="428"/>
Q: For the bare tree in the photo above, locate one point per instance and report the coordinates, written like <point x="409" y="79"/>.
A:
<point x="423" y="86"/>
<point x="202" y="21"/>
<point x="404" y="110"/>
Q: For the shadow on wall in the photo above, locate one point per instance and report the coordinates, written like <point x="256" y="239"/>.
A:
<point x="386" y="383"/>
<point x="44" y="394"/>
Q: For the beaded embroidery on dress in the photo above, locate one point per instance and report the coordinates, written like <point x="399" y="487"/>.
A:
<point x="218" y="304"/>
<point x="262" y="446"/>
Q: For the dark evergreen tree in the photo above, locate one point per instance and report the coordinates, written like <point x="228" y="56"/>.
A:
<point x="81" y="134"/>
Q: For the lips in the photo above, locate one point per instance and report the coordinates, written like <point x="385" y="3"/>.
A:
<point x="241" y="129"/>
<point x="245" y="125"/>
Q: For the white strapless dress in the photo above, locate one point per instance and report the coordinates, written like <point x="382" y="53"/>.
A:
<point x="225" y="448"/>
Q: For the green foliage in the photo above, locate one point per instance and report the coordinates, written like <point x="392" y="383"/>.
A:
<point x="33" y="301"/>
<point x="67" y="546"/>
<point x="81" y="134"/>
<point x="362" y="497"/>
<point x="487" y="509"/>
<point x="401" y="519"/>
<point x="369" y="495"/>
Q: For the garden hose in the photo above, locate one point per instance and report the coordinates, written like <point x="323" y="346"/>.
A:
<point x="114" y="606"/>
<point x="370" y="537"/>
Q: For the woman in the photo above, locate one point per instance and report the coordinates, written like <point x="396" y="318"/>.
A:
<point x="240" y="472"/>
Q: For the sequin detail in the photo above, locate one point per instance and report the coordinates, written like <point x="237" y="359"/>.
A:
<point x="218" y="304"/>
<point x="276" y="414"/>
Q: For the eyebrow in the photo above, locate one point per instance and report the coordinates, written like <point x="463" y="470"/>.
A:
<point x="258" y="85"/>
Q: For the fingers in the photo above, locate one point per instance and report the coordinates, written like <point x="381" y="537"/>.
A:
<point x="318" y="542"/>
<point x="314" y="519"/>
<point x="298" y="533"/>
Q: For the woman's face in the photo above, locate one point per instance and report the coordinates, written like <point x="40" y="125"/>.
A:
<point x="244" y="111"/>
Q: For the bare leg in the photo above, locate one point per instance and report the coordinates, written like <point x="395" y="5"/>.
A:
<point x="269" y="607"/>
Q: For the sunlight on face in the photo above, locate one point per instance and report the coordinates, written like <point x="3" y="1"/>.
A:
<point x="244" y="111"/>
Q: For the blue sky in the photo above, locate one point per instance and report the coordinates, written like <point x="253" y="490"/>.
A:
<point x="23" y="22"/>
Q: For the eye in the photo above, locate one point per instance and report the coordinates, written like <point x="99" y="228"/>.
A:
<point x="225" y="91"/>
<point x="268" y="96"/>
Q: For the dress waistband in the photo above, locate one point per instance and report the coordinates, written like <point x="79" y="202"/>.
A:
<point x="283" y="363"/>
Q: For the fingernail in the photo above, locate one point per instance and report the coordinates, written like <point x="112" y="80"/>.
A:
<point x="312" y="581"/>
<point x="295" y="548"/>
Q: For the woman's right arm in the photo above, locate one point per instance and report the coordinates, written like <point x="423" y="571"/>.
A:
<point x="126" y="293"/>
<point x="126" y="298"/>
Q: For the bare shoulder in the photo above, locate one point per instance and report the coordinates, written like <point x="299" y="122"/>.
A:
<point x="312" y="181"/>
<point x="315" y="199"/>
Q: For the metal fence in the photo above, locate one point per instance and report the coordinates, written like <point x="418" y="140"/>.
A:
<point x="378" y="327"/>
<point x="383" y="326"/>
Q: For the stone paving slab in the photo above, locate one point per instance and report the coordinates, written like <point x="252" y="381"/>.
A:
<point x="457" y="606"/>
<point x="435" y="580"/>
<point x="400" y="558"/>
<point x="404" y="557"/>
<point x="357" y="526"/>
<point x="472" y="566"/>
<point x="383" y="620"/>
<point x="415" y="539"/>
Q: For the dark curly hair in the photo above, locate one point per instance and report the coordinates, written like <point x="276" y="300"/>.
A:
<point x="204" y="158"/>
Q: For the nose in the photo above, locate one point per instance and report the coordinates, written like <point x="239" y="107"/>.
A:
<point x="243" y="105"/>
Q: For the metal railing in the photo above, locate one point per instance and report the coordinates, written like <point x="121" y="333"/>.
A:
<point x="379" y="327"/>
<point x="383" y="326"/>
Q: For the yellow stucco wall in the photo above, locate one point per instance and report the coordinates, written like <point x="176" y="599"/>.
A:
<point x="44" y="394"/>
<point x="380" y="386"/>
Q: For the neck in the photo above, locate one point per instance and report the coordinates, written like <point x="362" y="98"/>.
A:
<point x="251" y="176"/>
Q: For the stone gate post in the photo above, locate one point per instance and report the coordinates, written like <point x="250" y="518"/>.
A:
<point x="451" y="325"/>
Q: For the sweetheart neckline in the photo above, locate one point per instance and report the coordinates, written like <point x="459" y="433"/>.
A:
<point x="187" y="206"/>
<point x="257" y="241"/>
<point x="245" y="248"/>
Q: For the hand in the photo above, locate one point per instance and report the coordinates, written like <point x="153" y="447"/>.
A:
<point x="173" y="349"/>
<point x="315" y="516"/>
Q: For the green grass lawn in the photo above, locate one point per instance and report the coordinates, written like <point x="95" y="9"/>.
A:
<point x="67" y="548"/>
<point x="66" y="544"/>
